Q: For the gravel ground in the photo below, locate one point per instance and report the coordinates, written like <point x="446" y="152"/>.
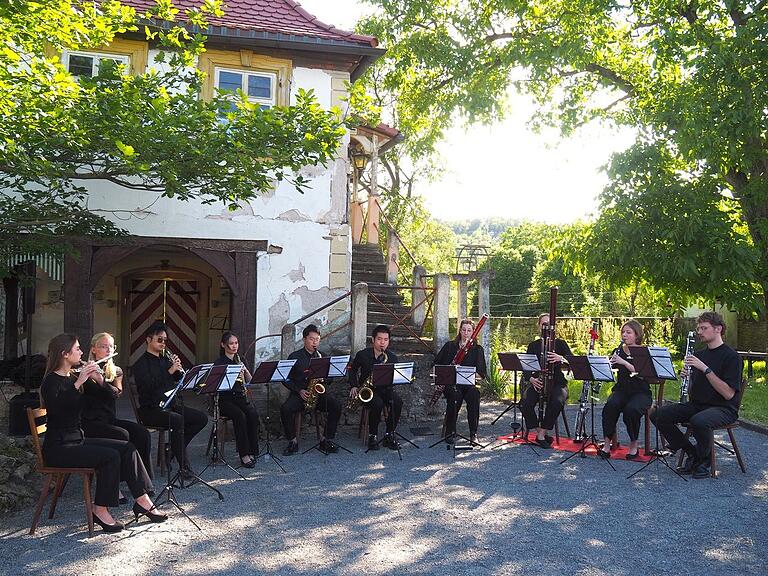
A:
<point x="503" y="511"/>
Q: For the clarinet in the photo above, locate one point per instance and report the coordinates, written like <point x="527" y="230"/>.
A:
<point x="685" y="379"/>
<point x="580" y="431"/>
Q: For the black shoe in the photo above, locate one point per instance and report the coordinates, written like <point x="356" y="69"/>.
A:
<point x="450" y="438"/>
<point x="187" y="474"/>
<point x="689" y="465"/>
<point x="634" y="456"/>
<point x="329" y="447"/>
<point x="391" y="442"/>
<point x="138" y="510"/>
<point x="473" y="439"/>
<point x="291" y="449"/>
<point x="372" y="443"/>
<point x="543" y="443"/>
<point x="111" y="528"/>
<point x="549" y="440"/>
<point x="603" y="454"/>
<point x="702" y="471"/>
<point x="122" y="500"/>
<point x="250" y="464"/>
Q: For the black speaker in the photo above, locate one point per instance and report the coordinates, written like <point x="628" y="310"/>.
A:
<point x="18" y="425"/>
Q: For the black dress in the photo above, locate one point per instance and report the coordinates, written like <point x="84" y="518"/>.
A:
<point x="234" y="405"/>
<point x="455" y="395"/>
<point x="65" y="446"/>
<point x="99" y="418"/>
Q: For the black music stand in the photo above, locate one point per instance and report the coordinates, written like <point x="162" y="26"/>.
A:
<point x="221" y="377"/>
<point x="386" y="377"/>
<point x="266" y="373"/>
<point x="508" y="361"/>
<point x="450" y="376"/>
<point x="325" y="369"/>
<point x="519" y="362"/>
<point x="187" y="382"/>
<point x="593" y="369"/>
<point x="654" y="363"/>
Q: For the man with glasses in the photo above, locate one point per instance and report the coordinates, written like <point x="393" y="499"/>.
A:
<point x="713" y="397"/>
<point x="155" y="374"/>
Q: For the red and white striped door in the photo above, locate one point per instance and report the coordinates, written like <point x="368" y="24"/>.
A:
<point x="172" y="301"/>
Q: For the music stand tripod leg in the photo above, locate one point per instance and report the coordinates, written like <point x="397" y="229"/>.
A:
<point x="267" y="452"/>
<point x="216" y="457"/>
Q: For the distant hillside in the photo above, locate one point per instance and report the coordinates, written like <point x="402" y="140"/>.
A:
<point x="481" y="231"/>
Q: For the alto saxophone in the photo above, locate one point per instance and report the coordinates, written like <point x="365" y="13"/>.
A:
<point x="314" y="389"/>
<point x="364" y="393"/>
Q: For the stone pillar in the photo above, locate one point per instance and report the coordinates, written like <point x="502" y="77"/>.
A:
<point x="359" y="316"/>
<point x="461" y="311"/>
<point x="78" y="297"/>
<point x="440" y="311"/>
<point x="484" y="307"/>
<point x="418" y="306"/>
<point x="372" y="225"/>
<point x="393" y="253"/>
<point x="287" y="340"/>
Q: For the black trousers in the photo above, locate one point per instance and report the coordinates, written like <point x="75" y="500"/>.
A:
<point x="384" y="397"/>
<point x="455" y="396"/>
<point x="114" y="460"/>
<point x="126" y="431"/>
<point x="632" y="405"/>
<point x="194" y="421"/>
<point x="702" y="418"/>
<point x="245" y="421"/>
<point x="325" y="403"/>
<point x="530" y="402"/>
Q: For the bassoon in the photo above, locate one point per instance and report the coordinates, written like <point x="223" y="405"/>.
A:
<point x="547" y="346"/>
<point x="459" y="357"/>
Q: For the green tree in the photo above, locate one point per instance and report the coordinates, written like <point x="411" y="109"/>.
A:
<point x="692" y="76"/>
<point x="150" y="132"/>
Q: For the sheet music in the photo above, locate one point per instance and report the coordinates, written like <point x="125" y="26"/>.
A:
<point x="662" y="362"/>
<point x="601" y="368"/>
<point x="338" y="366"/>
<point x="530" y="362"/>
<point x="403" y="373"/>
<point x="282" y="370"/>
<point x="233" y="371"/>
<point x="194" y="379"/>
<point x="465" y="375"/>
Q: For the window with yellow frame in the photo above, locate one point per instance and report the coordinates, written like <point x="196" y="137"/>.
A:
<point x="131" y="53"/>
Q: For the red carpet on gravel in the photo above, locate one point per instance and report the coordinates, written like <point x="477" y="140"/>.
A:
<point x="568" y="445"/>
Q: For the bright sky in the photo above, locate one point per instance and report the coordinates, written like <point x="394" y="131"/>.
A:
<point x="506" y="170"/>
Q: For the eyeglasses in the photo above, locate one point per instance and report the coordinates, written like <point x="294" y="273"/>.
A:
<point x="106" y="346"/>
<point x="160" y="340"/>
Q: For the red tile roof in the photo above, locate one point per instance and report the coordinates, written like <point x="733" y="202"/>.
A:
<point x="285" y="17"/>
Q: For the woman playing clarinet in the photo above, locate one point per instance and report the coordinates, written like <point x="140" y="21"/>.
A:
<point x="64" y="445"/>
<point x="456" y="394"/>
<point x="631" y="395"/>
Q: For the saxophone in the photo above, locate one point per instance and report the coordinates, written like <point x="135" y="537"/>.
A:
<point x="365" y="392"/>
<point x="314" y="389"/>
<point x="685" y="379"/>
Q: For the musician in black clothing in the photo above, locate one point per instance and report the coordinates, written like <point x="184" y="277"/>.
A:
<point x="234" y="404"/>
<point x="556" y="396"/>
<point x="631" y="395"/>
<point x="298" y="385"/>
<point x="456" y="394"/>
<point x="156" y="374"/>
<point x="360" y="372"/>
<point x="64" y="445"/>
<point x="714" y="394"/>
<point x="99" y="417"/>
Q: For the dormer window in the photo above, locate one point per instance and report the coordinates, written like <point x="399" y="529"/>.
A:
<point x="259" y="87"/>
<point x="88" y="63"/>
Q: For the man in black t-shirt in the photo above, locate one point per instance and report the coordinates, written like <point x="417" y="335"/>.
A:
<point x="556" y="395"/>
<point x="714" y="394"/>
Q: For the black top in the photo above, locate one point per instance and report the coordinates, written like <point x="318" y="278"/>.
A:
<point x="727" y="365"/>
<point x="474" y="357"/>
<point x="63" y="403"/>
<point x="238" y="388"/>
<point x="99" y="400"/>
<point x="561" y="348"/>
<point x="625" y="382"/>
<point x="153" y="380"/>
<point x="297" y="379"/>
<point x="362" y="365"/>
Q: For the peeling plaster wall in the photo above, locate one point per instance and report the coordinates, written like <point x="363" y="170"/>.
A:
<point x="292" y="283"/>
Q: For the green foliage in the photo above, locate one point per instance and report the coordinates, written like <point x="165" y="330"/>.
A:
<point x="150" y="132"/>
<point x="692" y="78"/>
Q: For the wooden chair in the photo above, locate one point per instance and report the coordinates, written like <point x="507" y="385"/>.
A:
<point x="37" y="426"/>
<point x="223" y="433"/>
<point x="362" y="427"/>
<point x="729" y="429"/>
<point x="133" y="394"/>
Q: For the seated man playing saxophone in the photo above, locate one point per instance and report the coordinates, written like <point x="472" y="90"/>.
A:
<point x="359" y="374"/>
<point x="295" y="403"/>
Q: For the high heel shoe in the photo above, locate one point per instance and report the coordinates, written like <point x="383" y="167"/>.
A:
<point x="111" y="528"/>
<point x="138" y="510"/>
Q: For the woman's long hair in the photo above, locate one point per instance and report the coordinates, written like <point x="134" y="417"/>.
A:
<point x="57" y="347"/>
<point x="110" y="370"/>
